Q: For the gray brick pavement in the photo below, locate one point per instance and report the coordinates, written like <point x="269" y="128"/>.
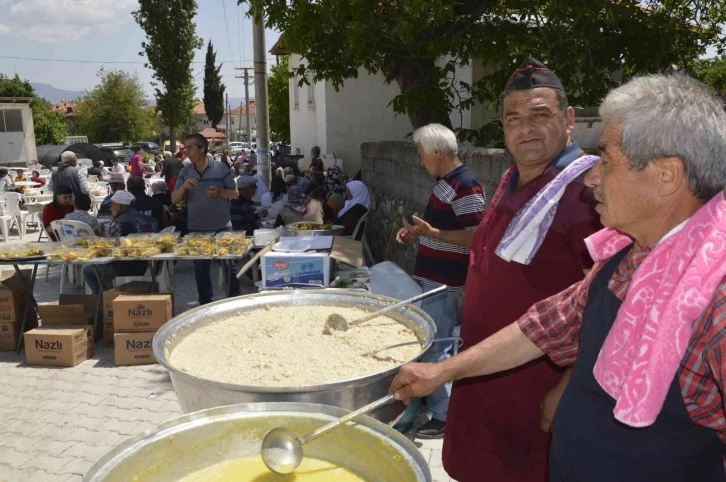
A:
<point x="56" y="422"/>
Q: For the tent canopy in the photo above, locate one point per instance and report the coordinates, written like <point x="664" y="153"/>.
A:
<point x="49" y="156"/>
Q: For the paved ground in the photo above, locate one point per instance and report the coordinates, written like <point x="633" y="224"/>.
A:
<point x="56" y="422"/>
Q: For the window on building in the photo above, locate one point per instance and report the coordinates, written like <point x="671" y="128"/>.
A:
<point x="11" y="120"/>
<point x="295" y="92"/>
<point x="311" y="90"/>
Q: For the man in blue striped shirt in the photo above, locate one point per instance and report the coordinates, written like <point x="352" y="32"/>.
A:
<point x="207" y="186"/>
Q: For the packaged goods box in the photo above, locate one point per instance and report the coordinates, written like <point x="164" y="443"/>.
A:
<point x="65" y="346"/>
<point x="133" y="348"/>
<point x="284" y="269"/>
<point x="76" y="310"/>
<point x="8" y="335"/>
<point x="13" y="294"/>
<point x="131" y="288"/>
<point x="140" y="313"/>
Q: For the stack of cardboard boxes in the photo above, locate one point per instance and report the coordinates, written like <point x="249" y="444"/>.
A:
<point x="132" y="288"/>
<point x="65" y="337"/>
<point x="136" y="318"/>
<point x="13" y="295"/>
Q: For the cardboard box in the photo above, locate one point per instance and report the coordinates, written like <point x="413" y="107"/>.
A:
<point x="133" y="348"/>
<point x="13" y="293"/>
<point x="64" y="346"/>
<point x="8" y="335"/>
<point x="133" y="287"/>
<point x="283" y="269"/>
<point x="139" y="313"/>
<point x="78" y="310"/>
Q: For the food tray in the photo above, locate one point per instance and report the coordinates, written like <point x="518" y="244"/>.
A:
<point x="312" y="229"/>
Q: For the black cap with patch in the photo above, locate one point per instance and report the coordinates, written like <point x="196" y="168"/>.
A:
<point x="531" y="75"/>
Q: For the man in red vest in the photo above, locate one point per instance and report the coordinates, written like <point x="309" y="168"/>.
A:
<point x="493" y="427"/>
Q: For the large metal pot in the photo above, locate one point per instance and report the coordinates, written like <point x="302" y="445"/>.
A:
<point x="196" y="393"/>
<point x="193" y="442"/>
<point x="289" y="230"/>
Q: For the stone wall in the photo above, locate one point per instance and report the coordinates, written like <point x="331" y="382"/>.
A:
<point x="399" y="186"/>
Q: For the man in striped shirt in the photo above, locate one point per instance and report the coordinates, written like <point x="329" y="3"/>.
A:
<point x="454" y="210"/>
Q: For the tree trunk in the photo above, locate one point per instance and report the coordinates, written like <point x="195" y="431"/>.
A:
<point x="424" y="100"/>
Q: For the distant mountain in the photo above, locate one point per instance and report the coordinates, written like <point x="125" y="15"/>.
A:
<point x="53" y="95"/>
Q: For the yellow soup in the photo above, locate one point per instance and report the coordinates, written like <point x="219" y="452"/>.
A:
<point x="253" y="469"/>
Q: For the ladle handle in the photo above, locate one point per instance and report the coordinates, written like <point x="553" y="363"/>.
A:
<point x="342" y="420"/>
<point x="398" y="305"/>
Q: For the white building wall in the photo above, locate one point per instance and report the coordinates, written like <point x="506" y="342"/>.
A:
<point x="19" y="147"/>
<point x="307" y="119"/>
<point x="360" y="113"/>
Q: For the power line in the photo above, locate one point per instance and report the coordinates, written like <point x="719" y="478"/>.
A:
<point x="239" y="38"/>
<point x="88" y="61"/>
<point x="226" y="27"/>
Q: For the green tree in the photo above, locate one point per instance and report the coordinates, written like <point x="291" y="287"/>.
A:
<point x="278" y="87"/>
<point x="169" y="47"/>
<point x="50" y="127"/>
<point x="593" y="44"/>
<point x="213" y="88"/>
<point x="115" y="110"/>
<point x="711" y="72"/>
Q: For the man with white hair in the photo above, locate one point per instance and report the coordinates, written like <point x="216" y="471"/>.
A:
<point x="500" y="422"/>
<point x="646" y="328"/>
<point x="454" y="210"/>
<point x="69" y="175"/>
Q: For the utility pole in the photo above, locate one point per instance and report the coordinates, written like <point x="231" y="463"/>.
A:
<point x="263" y="122"/>
<point x="246" y="76"/>
<point x="229" y="127"/>
<point x="240" y="114"/>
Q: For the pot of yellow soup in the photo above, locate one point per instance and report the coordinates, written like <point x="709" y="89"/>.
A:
<point x="223" y="445"/>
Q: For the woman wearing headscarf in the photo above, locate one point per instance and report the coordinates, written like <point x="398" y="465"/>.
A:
<point x="335" y="179"/>
<point x="299" y="208"/>
<point x="357" y="204"/>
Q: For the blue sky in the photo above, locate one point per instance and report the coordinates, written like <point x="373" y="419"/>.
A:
<point x="104" y="30"/>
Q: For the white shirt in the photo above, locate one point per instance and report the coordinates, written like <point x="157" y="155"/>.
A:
<point x="118" y="168"/>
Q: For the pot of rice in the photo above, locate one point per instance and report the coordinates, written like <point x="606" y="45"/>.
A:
<point x="270" y="347"/>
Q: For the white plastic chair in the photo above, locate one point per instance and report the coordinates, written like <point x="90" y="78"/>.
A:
<point x="11" y="204"/>
<point x="169" y="229"/>
<point x="361" y="226"/>
<point x="92" y="178"/>
<point x="44" y="172"/>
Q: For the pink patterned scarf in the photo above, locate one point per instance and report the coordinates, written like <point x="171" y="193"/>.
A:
<point x="669" y="291"/>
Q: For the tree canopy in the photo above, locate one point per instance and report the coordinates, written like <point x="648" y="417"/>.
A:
<point x="169" y="47"/>
<point x="49" y="127"/>
<point x="115" y="110"/>
<point x="213" y="87"/>
<point x="592" y="44"/>
<point x="278" y="87"/>
<point x="711" y="72"/>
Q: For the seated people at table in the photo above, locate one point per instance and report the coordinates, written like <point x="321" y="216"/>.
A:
<point x="116" y="167"/>
<point x="95" y="170"/>
<point x="357" y="204"/>
<point x="61" y="205"/>
<point x="242" y="209"/>
<point x="144" y="203"/>
<point x="83" y="204"/>
<point x="160" y="191"/>
<point x="299" y="208"/>
<point x="20" y="178"/>
<point x="6" y="183"/>
<point x="36" y="178"/>
<point x="115" y="183"/>
<point x="335" y="180"/>
<point x="126" y="220"/>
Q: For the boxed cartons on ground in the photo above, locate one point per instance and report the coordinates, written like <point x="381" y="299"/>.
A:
<point x="141" y="313"/>
<point x="76" y="310"/>
<point x="65" y="346"/>
<point x="133" y="348"/>
<point x="8" y="335"/>
<point x="13" y="293"/>
<point x="133" y="287"/>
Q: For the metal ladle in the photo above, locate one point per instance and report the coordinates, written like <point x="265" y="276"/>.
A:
<point x="336" y="322"/>
<point x="282" y="450"/>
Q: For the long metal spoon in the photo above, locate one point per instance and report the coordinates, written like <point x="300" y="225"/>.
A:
<point x="418" y="342"/>
<point x="282" y="450"/>
<point x="339" y="323"/>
